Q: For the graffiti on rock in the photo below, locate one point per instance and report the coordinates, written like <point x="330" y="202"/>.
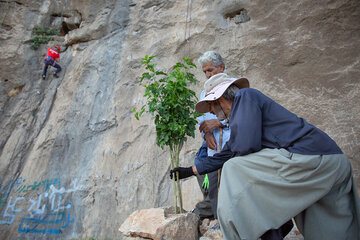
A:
<point x="19" y="186"/>
<point x="47" y="214"/>
<point x="52" y="223"/>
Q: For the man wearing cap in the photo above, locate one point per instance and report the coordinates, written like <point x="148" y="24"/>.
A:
<point x="215" y="134"/>
<point x="52" y="59"/>
<point x="276" y="166"/>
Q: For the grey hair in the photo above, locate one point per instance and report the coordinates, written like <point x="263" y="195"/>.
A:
<point x="230" y="93"/>
<point x="211" y="56"/>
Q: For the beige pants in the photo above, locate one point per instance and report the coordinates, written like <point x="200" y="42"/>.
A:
<point x="263" y="190"/>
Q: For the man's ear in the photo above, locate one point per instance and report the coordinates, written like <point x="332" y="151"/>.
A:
<point x="222" y="67"/>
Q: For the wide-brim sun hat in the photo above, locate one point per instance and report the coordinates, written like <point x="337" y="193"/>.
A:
<point x="215" y="88"/>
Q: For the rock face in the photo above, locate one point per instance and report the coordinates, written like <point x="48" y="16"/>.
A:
<point x="210" y="230"/>
<point x="75" y="163"/>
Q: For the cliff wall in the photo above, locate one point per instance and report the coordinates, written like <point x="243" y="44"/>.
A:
<point x="74" y="162"/>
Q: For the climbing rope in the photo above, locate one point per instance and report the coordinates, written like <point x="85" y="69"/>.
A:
<point x="187" y="27"/>
<point x="5" y="12"/>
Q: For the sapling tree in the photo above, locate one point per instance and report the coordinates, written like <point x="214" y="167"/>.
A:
<point x="172" y="103"/>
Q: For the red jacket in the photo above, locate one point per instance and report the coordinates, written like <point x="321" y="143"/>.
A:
<point x="53" y="54"/>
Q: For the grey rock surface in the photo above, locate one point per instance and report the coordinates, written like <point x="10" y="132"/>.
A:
<point x="161" y="223"/>
<point x="75" y="163"/>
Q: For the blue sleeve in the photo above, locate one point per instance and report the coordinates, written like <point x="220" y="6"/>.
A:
<point x="215" y="162"/>
<point x="246" y="123"/>
<point x="201" y="119"/>
<point x="224" y="123"/>
<point x="201" y="155"/>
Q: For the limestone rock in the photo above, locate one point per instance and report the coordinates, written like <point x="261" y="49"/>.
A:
<point x="158" y="223"/>
<point x="204" y="226"/>
<point x="212" y="234"/>
<point x="71" y="22"/>
<point x="210" y="230"/>
<point x="79" y="128"/>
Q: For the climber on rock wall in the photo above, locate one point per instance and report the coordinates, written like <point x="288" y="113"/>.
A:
<point x="52" y="59"/>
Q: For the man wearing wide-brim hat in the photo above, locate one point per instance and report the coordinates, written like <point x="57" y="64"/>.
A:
<point x="276" y="166"/>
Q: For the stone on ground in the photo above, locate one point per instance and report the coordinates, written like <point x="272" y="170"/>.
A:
<point x="160" y="223"/>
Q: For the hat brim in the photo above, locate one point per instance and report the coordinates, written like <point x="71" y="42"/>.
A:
<point x="203" y="105"/>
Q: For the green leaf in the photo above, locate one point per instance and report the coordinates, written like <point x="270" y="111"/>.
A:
<point x="170" y="100"/>
<point x="42" y="36"/>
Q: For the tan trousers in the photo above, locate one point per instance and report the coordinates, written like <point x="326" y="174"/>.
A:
<point x="263" y="190"/>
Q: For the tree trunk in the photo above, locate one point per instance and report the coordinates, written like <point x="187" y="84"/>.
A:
<point x="174" y="155"/>
<point x="172" y="159"/>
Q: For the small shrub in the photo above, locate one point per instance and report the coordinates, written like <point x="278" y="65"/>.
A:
<point x="42" y="36"/>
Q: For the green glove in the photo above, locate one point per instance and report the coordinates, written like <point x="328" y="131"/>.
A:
<point x="205" y="184"/>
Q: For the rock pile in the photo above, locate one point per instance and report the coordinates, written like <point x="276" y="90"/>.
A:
<point x="161" y="223"/>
